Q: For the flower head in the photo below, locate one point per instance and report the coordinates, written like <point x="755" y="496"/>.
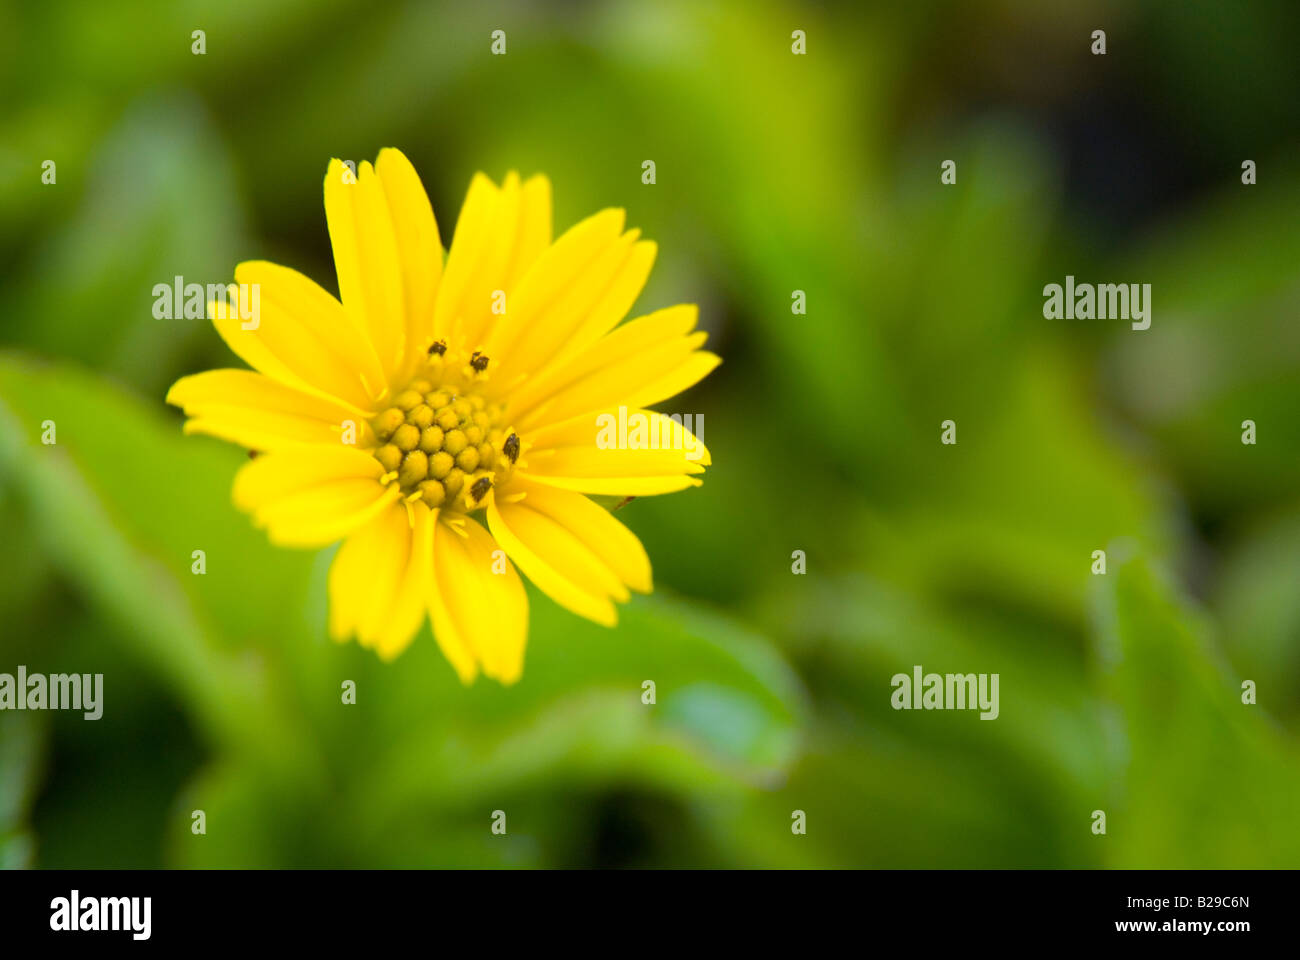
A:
<point x="445" y="420"/>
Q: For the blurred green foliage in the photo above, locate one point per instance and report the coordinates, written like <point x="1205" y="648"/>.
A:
<point x="775" y="173"/>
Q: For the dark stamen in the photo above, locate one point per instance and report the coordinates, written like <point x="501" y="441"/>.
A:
<point x="478" y="362"/>
<point x="440" y="347"/>
<point x="481" y="486"/>
<point x="511" y="447"/>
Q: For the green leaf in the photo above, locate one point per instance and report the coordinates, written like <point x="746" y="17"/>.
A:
<point x="418" y="748"/>
<point x="160" y="201"/>
<point x="21" y="763"/>
<point x="901" y="788"/>
<point x="1198" y="779"/>
<point x="119" y="502"/>
<point x="1259" y="607"/>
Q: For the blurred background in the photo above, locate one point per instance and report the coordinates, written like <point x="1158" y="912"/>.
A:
<point x="775" y="173"/>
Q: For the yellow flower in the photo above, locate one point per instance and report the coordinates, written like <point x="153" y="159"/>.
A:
<point x="444" y="421"/>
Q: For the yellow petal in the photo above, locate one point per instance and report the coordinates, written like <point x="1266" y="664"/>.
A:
<point x="648" y="485"/>
<point x="274" y="476"/>
<point x="413" y="538"/>
<point x="631" y="339"/>
<point x="365" y="257"/>
<point x="302" y="337"/>
<point x="446" y="631"/>
<point x="499" y="234"/>
<point x="681" y="377"/>
<point x="556" y="561"/>
<point x="323" y="514"/>
<point x="595" y="527"/>
<point x="475" y="610"/>
<point x="359" y="589"/>
<point x="419" y="248"/>
<point x="560" y="268"/>
<point x="379" y="580"/>
<point x="534" y="232"/>
<point x="628" y="381"/>
<point x="257" y="412"/>
<point x="613" y="305"/>
<point x="312" y="496"/>
<point x="488" y="280"/>
<point x="476" y="239"/>
<point x="602" y="430"/>
<point x="579" y="288"/>
<point x="589" y="454"/>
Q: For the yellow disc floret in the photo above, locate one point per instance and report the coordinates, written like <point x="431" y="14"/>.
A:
<point x="440" y="440"/>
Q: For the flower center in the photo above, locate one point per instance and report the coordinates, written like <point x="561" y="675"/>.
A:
<point x="441" y="441"/>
